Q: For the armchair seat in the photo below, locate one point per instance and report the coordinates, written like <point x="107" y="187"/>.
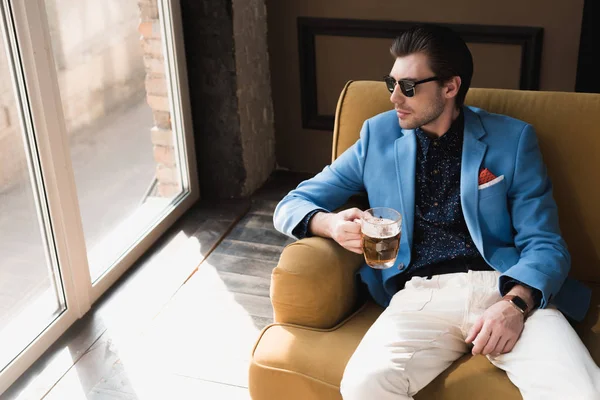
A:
<point x="297" y="362"/>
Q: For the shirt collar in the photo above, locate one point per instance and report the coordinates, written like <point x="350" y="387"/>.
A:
<point x="451" y="141"/>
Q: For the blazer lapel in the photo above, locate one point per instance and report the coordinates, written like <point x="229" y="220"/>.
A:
<point x="472" y="157"/>
<point x="406" y="153"/>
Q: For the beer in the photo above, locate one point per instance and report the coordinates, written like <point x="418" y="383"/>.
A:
<point x="381" y="228"/>
<point x="380" y="241"/>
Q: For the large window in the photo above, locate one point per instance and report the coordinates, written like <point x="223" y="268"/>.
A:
<point x="96" y="156"/>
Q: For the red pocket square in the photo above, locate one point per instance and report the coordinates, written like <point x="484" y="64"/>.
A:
<point x="485" y="176"/>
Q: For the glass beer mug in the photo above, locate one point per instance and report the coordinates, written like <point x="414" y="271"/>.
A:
<point x="381" y="228"/>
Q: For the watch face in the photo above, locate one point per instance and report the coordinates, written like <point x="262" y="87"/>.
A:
<point x="519" y="302"/>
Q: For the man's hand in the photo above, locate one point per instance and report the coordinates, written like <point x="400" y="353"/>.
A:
<point x="497" y="330"/>
<point x="341" y="227"/>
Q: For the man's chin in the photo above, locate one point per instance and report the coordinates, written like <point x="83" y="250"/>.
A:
<point x="404" y="124"/>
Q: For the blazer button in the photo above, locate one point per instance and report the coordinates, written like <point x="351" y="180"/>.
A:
<point x="400" y="266"/>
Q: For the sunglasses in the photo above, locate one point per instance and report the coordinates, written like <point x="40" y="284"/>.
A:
<point x="406" y="85"/>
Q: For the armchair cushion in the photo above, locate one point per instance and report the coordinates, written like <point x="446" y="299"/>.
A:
<point x="314" y="284"/>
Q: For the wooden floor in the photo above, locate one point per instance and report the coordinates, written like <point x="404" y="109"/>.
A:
<point x="181" y="323"/>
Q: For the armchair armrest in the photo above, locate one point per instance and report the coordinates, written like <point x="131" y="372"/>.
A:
<point x="314" y="284"/>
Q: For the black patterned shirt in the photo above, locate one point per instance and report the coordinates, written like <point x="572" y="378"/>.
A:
<point x="440" y="230"/>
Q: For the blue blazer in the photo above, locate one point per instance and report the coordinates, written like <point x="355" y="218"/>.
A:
<point x="513" y="223"/>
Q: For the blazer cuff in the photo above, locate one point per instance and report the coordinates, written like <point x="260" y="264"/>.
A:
<point x="535" y="293"/>
<point x="301" y="230"/>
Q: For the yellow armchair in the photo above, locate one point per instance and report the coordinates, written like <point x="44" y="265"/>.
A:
<point x="318" y="318"/>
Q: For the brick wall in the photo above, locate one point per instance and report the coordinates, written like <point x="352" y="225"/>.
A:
<point x="167" y="169"/>
<point x="255" y="106"/>
<point x="230" y="94"/>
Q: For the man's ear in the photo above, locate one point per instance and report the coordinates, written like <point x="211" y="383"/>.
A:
<point x="452" y="86"/>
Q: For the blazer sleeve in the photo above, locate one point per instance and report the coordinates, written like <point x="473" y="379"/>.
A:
<point x="544" y="259"/>
<point x="328" y="190"/>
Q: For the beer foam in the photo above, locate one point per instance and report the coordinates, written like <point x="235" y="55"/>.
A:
<point x="380" y="228"/>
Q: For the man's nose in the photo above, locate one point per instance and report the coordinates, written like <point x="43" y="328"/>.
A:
<point x="397" y="97"/>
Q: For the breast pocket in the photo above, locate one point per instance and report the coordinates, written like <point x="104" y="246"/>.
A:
<point x="493" y="210"/>
<point x="494" y="190"/>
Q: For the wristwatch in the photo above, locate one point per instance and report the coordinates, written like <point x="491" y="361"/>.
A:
<point x="517" y="303"/>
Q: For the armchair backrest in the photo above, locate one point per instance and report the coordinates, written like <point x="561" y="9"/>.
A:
<point x="568" y="130"/>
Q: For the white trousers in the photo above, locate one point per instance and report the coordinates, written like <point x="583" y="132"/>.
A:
<point x="423" y="331"/>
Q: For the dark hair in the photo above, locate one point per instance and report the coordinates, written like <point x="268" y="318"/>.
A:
<point x="447" y="52"/>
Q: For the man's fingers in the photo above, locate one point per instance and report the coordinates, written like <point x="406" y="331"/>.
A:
<point x="481" y="340"/>
<point x="352" y="214"/>
<point x="351" y="227"/>
<point x="490" y="347"/>
<point x="500" y="347"/>
<point x="508" y="346"/>
<point x="357" y="250"/>
<point x="474" y="330"/>
<point x="353" y="244"/>
<point x="349" y="236"/>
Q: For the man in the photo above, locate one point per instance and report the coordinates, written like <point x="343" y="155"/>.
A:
<point x="481" y="266"/>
